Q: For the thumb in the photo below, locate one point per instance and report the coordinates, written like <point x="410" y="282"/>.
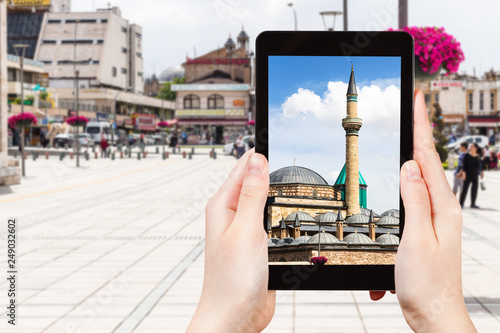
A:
<point x="253" y="194"/>
<point x="416" y="202"/>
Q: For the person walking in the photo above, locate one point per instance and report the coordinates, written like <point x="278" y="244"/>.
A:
<point x="240" y="147"/>
<point x="251" y="144"/>
<point x="472" y="171"/>
<point x="486" y="158"/>
<point x="458" y="182"/>
<point x="104" y="145"/>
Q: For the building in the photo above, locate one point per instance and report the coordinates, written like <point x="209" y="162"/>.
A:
<point x="34" y="74"/>
<point x="107" y="47"/>
<point x="217" y="100"/>
<point x="307" y="217"/>
<point x="482" y="106"/>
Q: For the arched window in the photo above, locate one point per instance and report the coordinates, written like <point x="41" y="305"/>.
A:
<point x="215" y="101"/>
<point x="191" y="102"/>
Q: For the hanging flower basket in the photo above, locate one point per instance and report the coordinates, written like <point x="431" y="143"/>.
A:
<point x="77" y="121"/>
<point x="163" y="124"/>
<point x="318" y="260"/>
<point x="434" y="50"/>
<point x="25" y="119"/>
<point x="251" y="122"/>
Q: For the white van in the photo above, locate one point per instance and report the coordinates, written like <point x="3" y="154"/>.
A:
<point x="95" y="129"/>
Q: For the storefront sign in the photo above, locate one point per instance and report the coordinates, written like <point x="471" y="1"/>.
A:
<point x="238" y="102"/>
<point x="209" y="87"/>
<point x="145" y="122"/>
<point x="218" y="61"/>
<point x="127" y="123"/>
<point x="447" y="84"/>
<point x="219" y="113"/>
<point x="29" y="3"/>
<point x="453" y="118"/>
<point x="484" y="121"/>
<point x="101" y="117"/>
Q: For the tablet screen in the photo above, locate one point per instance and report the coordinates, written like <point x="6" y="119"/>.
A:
<point x="334" y="146"/>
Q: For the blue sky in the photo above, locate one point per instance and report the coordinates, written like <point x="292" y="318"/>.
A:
<point x="307" y="101"/>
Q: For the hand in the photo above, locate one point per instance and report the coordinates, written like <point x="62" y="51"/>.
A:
<point x="464" y="176"/>
<point x="482" y="174"/>
<point x="235" y="296"/>
<point x="428" y="263"/>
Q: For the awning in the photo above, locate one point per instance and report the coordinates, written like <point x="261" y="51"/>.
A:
<point x="483" y="121"/>
<point x="216" y="122"/>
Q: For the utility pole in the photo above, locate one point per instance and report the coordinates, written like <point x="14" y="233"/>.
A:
<point x="77" y="144"/>
<point x="23" y="47"/>
<point x="403" y="14"/>
<point x="345" y="16"/>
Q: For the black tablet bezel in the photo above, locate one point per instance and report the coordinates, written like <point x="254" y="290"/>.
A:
<point x="326" y="43"/>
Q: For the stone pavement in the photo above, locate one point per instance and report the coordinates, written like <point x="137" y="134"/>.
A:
<point x="117" y="246"/>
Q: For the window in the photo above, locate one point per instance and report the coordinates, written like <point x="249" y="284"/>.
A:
<point x="124" y="29"/>
<point x="71" y="62"/>
<point x="104" y="21"/>
<point x="280" y="192"/>
<point x="113" y="71"/>
<point x="215" y="101"/>
<point x="47" y="62"/>
<point x="492" y="101"/>
<point x="436" y="97"/>
<point x="140" y="74"/>
<point x="315" y="193"/>
<point x="138" y="35"/>
<point x="78" y="41"/>
<point x="139" y="54"/>
<point x="53" y="21"/>
<point x="96" y="62"/>
<point x="124" y="70"/>
<point x="49" y="41"/>
<point x="471" y="95"/>
<point x="481" y="101"/>
<point x="124" y="50"/>
<point x="11" y="74"/>
<point x="100" y="41"/>
<point x="88" y="21"/>
<point x="191" y="102"/>
<point x="427" y="98"/>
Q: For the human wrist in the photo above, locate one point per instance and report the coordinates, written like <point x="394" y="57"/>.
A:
<point x="441" y="318"/>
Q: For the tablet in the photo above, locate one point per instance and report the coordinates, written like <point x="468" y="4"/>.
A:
<point x="334" y="119"/>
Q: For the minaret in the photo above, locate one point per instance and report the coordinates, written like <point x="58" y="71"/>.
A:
<point x="352" y="124"/>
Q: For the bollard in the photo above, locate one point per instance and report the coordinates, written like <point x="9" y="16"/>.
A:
<point x="95" y="155"/>
<point x="173" y="150"/>
<point x="61" y="156"/>
<point x="190" y="156"/>
<point x="183" y="154"/>
<point x="34" y="156"/>
<point x="46" y="155"/>
<point x="93" y="148"/>
<point x="121" y="154"/>
<point x="119" y="147"/>
<point x="113" y="156"/>
<point x="144" y="153"/>
<point x="211" y="154"/>
<point x="71" y="155"/>
<point x="192" y="150"/>
<point x="215" y="155"/>
<point x="130" y="153"/>
<point x="25" y="155"/>
<point x="213" y="150"/>
<point x="65" y="146"/>
<point x="163" y="156"/>
<point x="15" y="154"/>
<point x="138" y="156"/>
<point x="157" y="150"/>
<point x="108" y="153"/>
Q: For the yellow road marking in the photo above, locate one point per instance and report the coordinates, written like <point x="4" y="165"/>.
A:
<point x="81" y="185"/>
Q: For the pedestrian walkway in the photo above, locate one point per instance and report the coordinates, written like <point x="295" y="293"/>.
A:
<point x="117" y="246"/>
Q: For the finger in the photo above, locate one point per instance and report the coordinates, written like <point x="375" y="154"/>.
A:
<point x="376" y="295"/>
<point x="418" y="221"/>
<point x="221" y="208"/>
<point x="424" y="152"/>
<point x="253" y="195"/>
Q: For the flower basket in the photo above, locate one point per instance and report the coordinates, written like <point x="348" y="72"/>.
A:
<point x="251" y="122"/>
<point x="435" y="50"/>
<point x="22" y="120"/>
<point x="319" y="260"/>
<point x="163" y="124"/>
<point x="77" y="121"/>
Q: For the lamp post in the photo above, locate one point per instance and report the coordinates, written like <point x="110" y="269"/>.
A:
<point x="23" y="47"/>
<point x="330" y="13"/>
<point x="345" y="16"/>
<point x="403" y="14"/>
<point x="75" y="107"/>
<point x="294" y="14"/>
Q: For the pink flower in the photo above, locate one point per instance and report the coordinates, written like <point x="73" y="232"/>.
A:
<point x="77" y="119"/>
<point x="163" y="124"/>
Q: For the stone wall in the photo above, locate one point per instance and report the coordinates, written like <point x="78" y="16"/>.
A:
<point x="338" y="257"/>
<point x="299" y="190"/>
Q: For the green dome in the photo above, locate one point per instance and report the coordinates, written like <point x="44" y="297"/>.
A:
<point x="341" y="178"/>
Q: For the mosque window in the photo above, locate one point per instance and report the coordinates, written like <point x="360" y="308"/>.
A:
<point x="215" y="101"/>
<point x="492" y="101"/>
<point x="280" y="191"/>
<point x="191" y="101"/>
<point x="315" y="193"/>
<point x="481" y="101"/>
<point x="470" y="101"/>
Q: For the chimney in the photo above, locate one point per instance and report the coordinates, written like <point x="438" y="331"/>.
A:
<point x="340" y="226"/>
<point x="269" y="229"/>
<point x="371" y="227"/>
<point x="282" y="228"/>
<point x="296" y="227"/>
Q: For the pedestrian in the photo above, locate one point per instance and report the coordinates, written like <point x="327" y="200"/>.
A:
<point x="458" y="181"/>
<point x="472" y="171"/>
<point x="493" y="160"/>
<point x="251" y="144"/>
<point x="104" y="145"/>
<point x="173" y="140"/>
<point x="486" y="158"/>
<point x="240" y="147"/>
<point x="142" y="139"/>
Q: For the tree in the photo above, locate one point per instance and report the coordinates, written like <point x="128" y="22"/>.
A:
<point x="166" y="91"/>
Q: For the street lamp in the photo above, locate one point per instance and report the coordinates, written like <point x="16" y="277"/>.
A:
<point x="23" y="47"/>
<point x="330" y="13"/>
<point x="294" y="14"/>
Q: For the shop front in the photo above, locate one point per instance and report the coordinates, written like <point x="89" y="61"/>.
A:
<point x="484" y="124"/>
<point x="143" y="123"/>
<point x="210" y="131"/>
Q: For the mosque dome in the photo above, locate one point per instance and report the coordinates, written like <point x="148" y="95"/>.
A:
<point x="303" y="217"/>
<point x="366" y="212"/>
<point x="243" y="33"/>
<point x="358" y="219"/>
<point x="327" y="217"/>
<point x="301" y="240"/>
<point x="388" y="239"/>
<point x="388" y="220"/>
<point x="356" y="238"/>
<point x="170" y="73"/>
<point x="284" y="241"/>
<point x="391" y="212"/>
<point x="272" y="241"/>
<point x="296" y="174"/>
<point x="326" y="238"/>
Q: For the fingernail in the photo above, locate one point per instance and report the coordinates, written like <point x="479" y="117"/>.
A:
<point x="411" y="170"/>
<point x="255" y="164"/>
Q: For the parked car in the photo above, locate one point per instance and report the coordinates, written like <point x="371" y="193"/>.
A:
<point x="133" y="139"/>
<point x="63" y="139"/>
<point x="96" y="129"/>
<point x="149" y="140"/>
<point x="481" y="140"/>
<point x="120" y="136"/>
<point x="229" y="148"/>
<point x="159" y="138"/>
<point x="85" y="140"/>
